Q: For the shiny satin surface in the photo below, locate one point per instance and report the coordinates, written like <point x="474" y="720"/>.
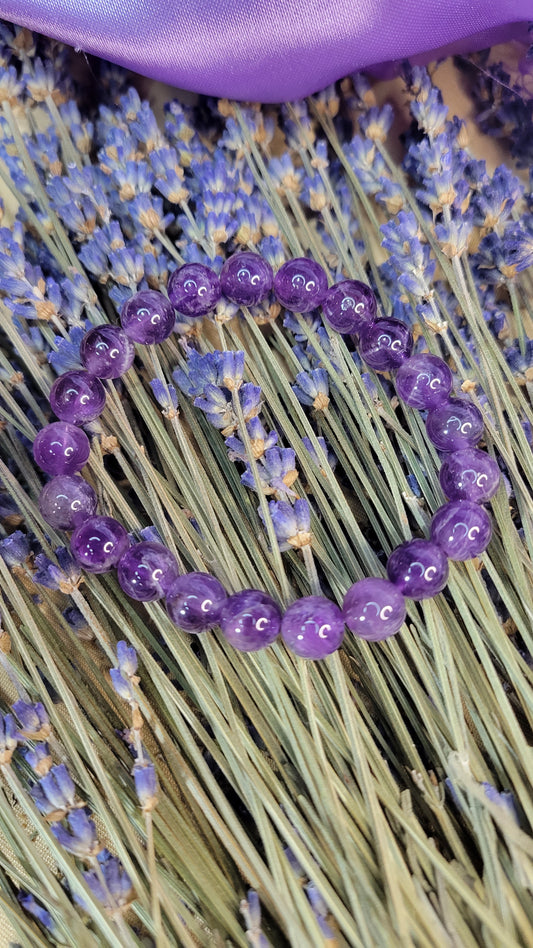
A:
<point x="266" y="50"/>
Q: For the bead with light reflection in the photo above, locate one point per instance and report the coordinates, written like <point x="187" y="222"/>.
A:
<point x="462" y="529"/>
<point x="419" y="568"/>
<point x="146" y="571"/>
<point x="374" y="609"/>
<point x="312" y="627"/>
<point x="194" y="601"/>
<point x="250" y="620"/>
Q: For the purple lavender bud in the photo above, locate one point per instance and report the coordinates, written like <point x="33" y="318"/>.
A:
<point x="39" y="758"/>
<point x="58" y="787"/>
<point x="122" y="684"/>
<point x="8" y="738"/>
<point x="115" y="891"/>
<point x="15" y="548"/>
<point x="80" y="839"/>
<point x="33" y="719"/>
<point x="42" y="915"/>
<point x="127" y="659"/>
<point x="145" y="784"/>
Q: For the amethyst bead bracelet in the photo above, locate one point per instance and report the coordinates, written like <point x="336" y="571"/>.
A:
<point x="312" y="627"/>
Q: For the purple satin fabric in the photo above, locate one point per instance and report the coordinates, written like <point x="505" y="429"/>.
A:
<point x="265" y="50"/>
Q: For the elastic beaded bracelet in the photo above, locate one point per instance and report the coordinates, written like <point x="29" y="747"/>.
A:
<point x="313" y="626"/>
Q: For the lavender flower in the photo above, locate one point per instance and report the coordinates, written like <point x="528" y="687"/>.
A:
<point x="80" y="839"/>
<point x="42" y="915"/>
<point x="15" y="548"/>
<point x="124" y="678"/>
<point x="145" y="784"/>
<point x="251" y="910"/>
<point x="39" y="758"/>
<point x="9" y="736"/>
<point x="63" y="575"/>
<point x="313" y="389"/>
<point x="292" y="523"/>
<point x="115" y="890"/>
<point x="34" y="721"/>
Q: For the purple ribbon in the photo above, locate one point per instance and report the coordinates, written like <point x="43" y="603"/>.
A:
<point x="267" y="50"/>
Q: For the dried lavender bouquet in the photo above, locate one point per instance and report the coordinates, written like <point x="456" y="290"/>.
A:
<point x="165" y="789"/>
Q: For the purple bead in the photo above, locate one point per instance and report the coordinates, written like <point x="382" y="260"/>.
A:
<point x="384" y="345"/>
<point x="374" y="609"/>
<point x="455" y="424"/>
<point x="419" y="568"/>
<point x="423" y="381"/>
<point x="462" y="529"/>
<point x="77" y="397"/>
<point x="349" y="305"/>
<point x="194" y="289"/>
<point x="469" y="474"/>
<point x="107" y="352"/>
<point x="67" y="500"/>
<point x="300" y="285"/>
<point x="146" y="571"/>
<point x="194" y="601"/>
<point x="61" y="448"/>
<point x="246" y="278"/>
<point x="313" y="627"/>
<point x="98" y="544"/>
<point x="250" y="620"/>
<point x="148" y="317"/>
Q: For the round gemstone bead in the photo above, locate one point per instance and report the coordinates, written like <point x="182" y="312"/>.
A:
<point x="195" y="600"/>
<point x="77" y="397"/>
<point x="423" y="381"/>
<point x="148" y="317"/>
<point x="98" y="543"/>
<point x="469" y="474"/>
<point x="300" y="285"/>
<point x="419" y="568"/>
<point x="61" y="448"/>
<point x="146" y="571"/>
<point x="246" y="278"/>
<point x="374" y="609"/>
<point x="455" y="424"/>
<point x="194" y="289"/>
<point x="67" y="500"/>
<point x="250" y="620"/>
<point x="385" y="344"/>
<point x="462" y="529"/>
<point x="107" y="352"/>
<point x="349" y="305"/>
<point x="312" y="627"/>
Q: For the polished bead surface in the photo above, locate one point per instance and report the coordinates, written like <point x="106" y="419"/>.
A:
<point x="77" y="397"/>
<point x="98" y="544"/>
<point x="423" y="381"/>
<point x="374" y="608"/>
<point x="61" y="448"/>
<point x="385" y="344"/>
<point x="246" y="278"/>
<point x="300" y="285"/>
<point x="148" y="317"/>
<point x="455" y="424"/>
<point x="147" y="570"/>
<point x="462" y="529"/>
<point x="107" y="352"/>
<point x="194" y="601"/>
<point x="419" y="568"/>
<point x="67" y="500"/>
<point x="194" y="289"/>
<point x="312" y="627"/>
<point x="349" y="305"/>
<point x="250" y="620"/>
<point x="469" y="474"/>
